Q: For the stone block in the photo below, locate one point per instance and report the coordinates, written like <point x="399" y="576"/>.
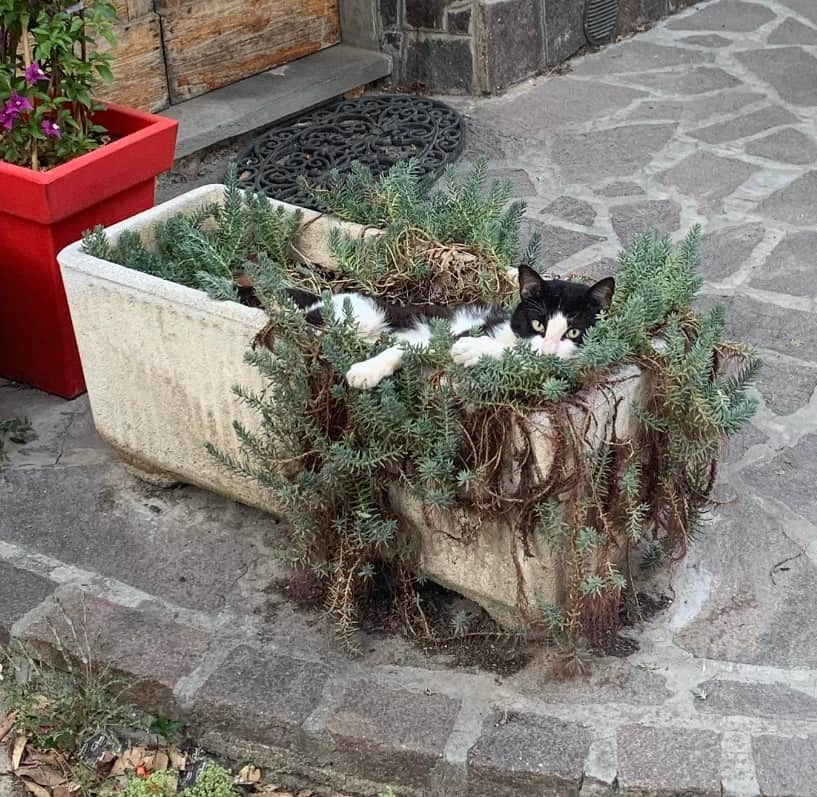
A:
<point x="149" y="651"/>
<point x="620" y="188"/>
<point x="745" y="126"/>
<point x="726" y="250"/>
<point x="805" y="8"/>
<point x="638" y="55"/>
<point x="521" y="185"/>
<point x="571" y="209"/>
<point x="391" y="736"/>
<point x="707" y="40"/>
<point x="790" y="266"/>
<point x="21" y="592"/>
<point x="527" y="756"/>
<point x="794" y="203"/>
<point x="786" y="387"/>
<point x="510" y="39"/>
<point x="665" y="761"/>
<point x="697" y="109"/>
<point x="618" y="152"/>
<point x="389" y="13"/>
<point x="700" y="80"/>
<point x="786" y="767"/>
<point x="708" y="178"/>
<point x="458" y="21"/>
<point x="426" y="14"/>
<point x="657" y="215"/>
<point x="792" y="31"/>
<point x="484" y="559"/>
<point x="787" y="146"/>
<point x="790" y="70"/>
<point x="261" y="697"/>
<point x="558" y="243"/>
<point x="756" y="700"/>
<point x="732" y="15"/>
<point x="440" y="64"/>
<point x="564" y="30"/>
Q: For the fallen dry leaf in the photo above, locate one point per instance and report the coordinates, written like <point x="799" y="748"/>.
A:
<point x="249" y="774"/>
<point x="43" y="775"/>
<point x="177" y="760"/>
<point x="66" y="790"/>
<point x="161" y="761"/>
<point x="35" y="788"/>
<point x="305" y="793"/>
<point x="17" y="751"/>
<point x="7" y="724"/>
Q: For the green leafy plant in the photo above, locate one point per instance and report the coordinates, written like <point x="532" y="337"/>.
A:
<point x="159" y="784"/>
<point x="331" y="456"/>
<point x="49" y="66"/>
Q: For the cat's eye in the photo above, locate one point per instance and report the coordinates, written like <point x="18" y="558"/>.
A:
<point x="537" y="325"/>
<point x="573" y="333"/>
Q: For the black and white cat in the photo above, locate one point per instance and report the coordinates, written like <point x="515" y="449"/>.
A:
<point x="552" y="316"/>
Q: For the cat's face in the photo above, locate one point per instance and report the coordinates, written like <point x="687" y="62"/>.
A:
<point x="554" y="315"/>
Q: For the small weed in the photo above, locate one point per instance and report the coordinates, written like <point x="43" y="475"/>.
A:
<point x="164" y="726"/>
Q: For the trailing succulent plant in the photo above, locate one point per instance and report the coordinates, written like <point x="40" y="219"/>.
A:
<point x="329" y="453"/>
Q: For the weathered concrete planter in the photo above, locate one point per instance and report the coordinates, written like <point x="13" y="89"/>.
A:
<point x="161" y="359"/>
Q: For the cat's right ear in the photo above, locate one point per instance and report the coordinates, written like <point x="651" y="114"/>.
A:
<point x="531" y="284"/>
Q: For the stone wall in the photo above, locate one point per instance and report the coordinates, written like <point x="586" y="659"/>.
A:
<point x="484" y="46"/>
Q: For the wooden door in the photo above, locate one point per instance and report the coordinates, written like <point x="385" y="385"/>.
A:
<point x="174" y="50"/>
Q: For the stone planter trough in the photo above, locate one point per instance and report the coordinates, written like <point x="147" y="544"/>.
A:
<point x="160" y="360"/>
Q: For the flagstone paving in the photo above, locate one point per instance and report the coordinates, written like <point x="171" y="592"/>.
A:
<point x="709" y="118"/>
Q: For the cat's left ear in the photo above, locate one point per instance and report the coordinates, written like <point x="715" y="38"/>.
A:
<point x="530" y="283"/>
<point x="602" y="292"/>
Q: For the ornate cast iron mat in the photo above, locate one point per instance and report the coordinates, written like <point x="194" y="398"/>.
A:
<point x="377" y="131"/>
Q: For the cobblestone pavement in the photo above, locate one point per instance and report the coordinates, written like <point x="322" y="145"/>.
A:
<point x="710" y="118"/>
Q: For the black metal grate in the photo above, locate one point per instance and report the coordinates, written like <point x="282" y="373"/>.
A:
<point x="600" y="19"/>
<point x="377" y="131"/>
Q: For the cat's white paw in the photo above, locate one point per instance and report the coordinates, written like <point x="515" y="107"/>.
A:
<point x="468" y="351"/>
<point x="370" y="373"/>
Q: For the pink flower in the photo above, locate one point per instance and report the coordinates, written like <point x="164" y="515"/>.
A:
<point x="7" y="119"/>
<point x="34" y="74"/>
<point x="17" y="104"/>
<point x="51" y="128"/>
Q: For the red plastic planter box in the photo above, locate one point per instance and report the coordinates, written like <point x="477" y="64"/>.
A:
<point x="41" y="213"/>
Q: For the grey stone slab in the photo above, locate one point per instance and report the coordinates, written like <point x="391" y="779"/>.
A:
<point x="656" y="215"/>
<point x="744" y="126"/>
<point x="558" y="243"/>
<point x="786" y="766"/>
<point x="789" y="477"/>
<point x="790" y="268"/>
<point x="737" y="445"/>
<point x="186" y="545"/>
<point x="731" y="15"/>
<point x="726" y="250"/>
<point x="274" y="95"/>
<point x="663" y="761"/>
<point x="440" y="64"/>
<point x="510" y="36"/>
<point x="755" y="700"/>
<point x="755" y="595"/>
<point x="620" y="188"/>
<point x="805" y="8"/>
<point x="549" y="104"/>
<point x="784" y="146"/>
<point x="792" y="31"/>
<point x="261" y="697"/>
<point x="638" y="55"/>
<point x="786" y="386"/>
<point x="391" y="735"/>
<point x="708" y="178"/>
<point x="598" y="269"/>
<point x="618" y="152"/>
<point x="693" y="81"/>
<point x="20" y="592"/>
<point x="795" y="202"/>
<point x="706" y="40"/>
<point x="571" y="209"/>
<point x="388" y="14"/>
<point x="521" y="184"/>
<point x="525" y="755"/>
<point x="791" y="332"/>
<point x="700" y="109"/>
<point x="790" y="70"/>
<point x="152" y="652"/>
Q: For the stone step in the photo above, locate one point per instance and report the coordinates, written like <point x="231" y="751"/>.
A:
<point x="274" y="95"/>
